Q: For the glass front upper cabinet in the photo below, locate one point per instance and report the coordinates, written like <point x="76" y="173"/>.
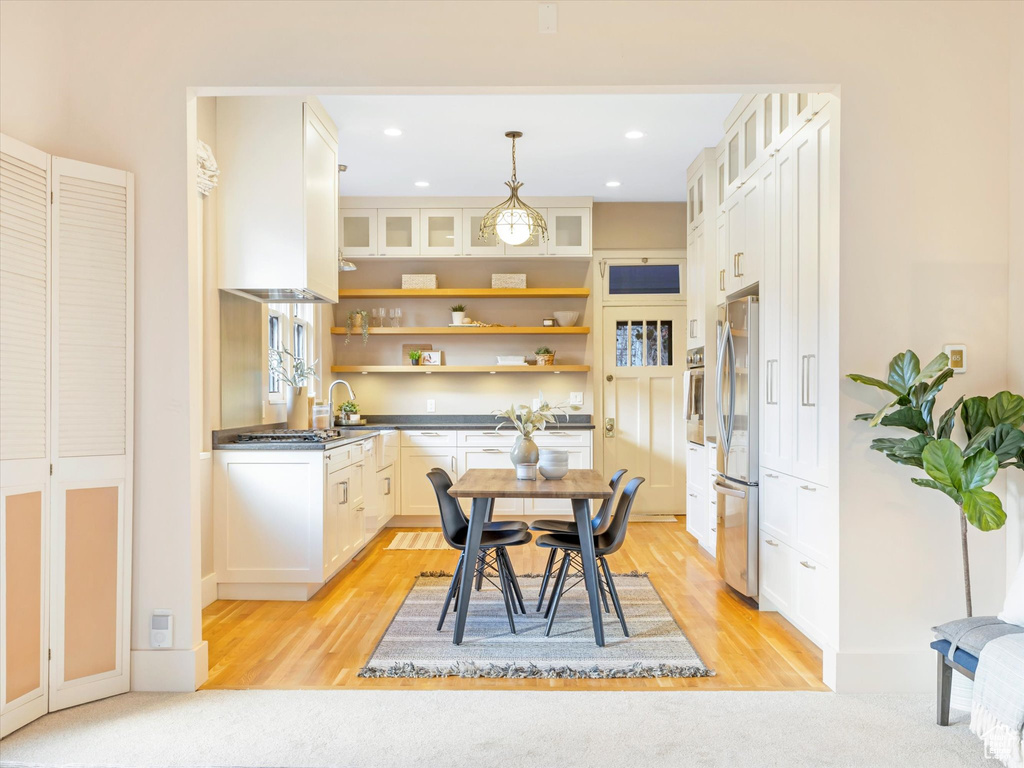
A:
<point x="568" y="231"/>
<point x="472" y="243"/>
<point x="441" y="231"/>
<point x="358" y="232"/>
<point x="398" y="231"/>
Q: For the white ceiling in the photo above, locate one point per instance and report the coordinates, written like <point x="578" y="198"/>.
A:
<point x="572" y="144"/>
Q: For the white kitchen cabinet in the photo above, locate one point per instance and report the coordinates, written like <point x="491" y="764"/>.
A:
<point x="358" y="232"/>
<point x="696" y="465"/>
<point x="710" y="542"/>
<point x="335" y="511"/>
<point x="814" y="533"/>
<point x="776" y="564"/>
<point x="730" y="242"/>
<point x="277" y="198"/>
<point x="696" y="513"/>
<point x="441" y="232"/>
<point x="696" y="261"/>
<point x="490" y="457"/>
<point x="398" y="232"/>
<point x="568" y="231"/>
<point x="758" y="216"/>
<point x="812" y="605"/>
<point x="473" y="244"/>
<point x="778" y="504"/>
<point x="695" y="195"/>
<point x="418" y="496"/>
<point x="352" y="524"/>
<point x="429" y="438"/>
<point x="751" y="131"/>
<point x="387" y="495"/>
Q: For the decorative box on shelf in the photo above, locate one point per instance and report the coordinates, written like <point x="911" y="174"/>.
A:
<point x="508" y="281"/>
<point x="419" y="281"/>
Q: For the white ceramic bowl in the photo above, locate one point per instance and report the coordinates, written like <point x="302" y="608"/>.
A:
<point x="552" y="471"/>
<point x="566" y="319"/>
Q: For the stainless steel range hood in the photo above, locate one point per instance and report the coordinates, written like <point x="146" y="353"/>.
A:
<point x="281" y="295"/>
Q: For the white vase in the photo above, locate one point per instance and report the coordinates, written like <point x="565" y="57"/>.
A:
<point x="297" y="403"/>
<point x="458" y="317"/>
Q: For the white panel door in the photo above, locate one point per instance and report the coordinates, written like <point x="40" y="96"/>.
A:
<point x="24" y="450"/>
<point x="91" y="431"/>
<point x="644" y="360"/>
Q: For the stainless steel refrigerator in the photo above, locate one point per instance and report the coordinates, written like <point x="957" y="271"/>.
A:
<point x="736" y="386"/>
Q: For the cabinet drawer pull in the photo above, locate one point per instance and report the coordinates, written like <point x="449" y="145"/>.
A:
<point x="721" y="279"/>
<point x="810" y="488"/>
<point x="344" y="484"/>
<point x="430" y="434"/>
<point x="328" y="457"/>
<point x="492" y="450"/>
<point x="692" y="495"/>
<point x="361" y="509"/>
<point x="388" y="481"/>
<point x="807" y="565"/>
<point x="560" y="434"/>
<point x="769" y="474"/>
<point x="770" y="543"/>
<point x="453" y="464"/>
<point x="714" y="530"/>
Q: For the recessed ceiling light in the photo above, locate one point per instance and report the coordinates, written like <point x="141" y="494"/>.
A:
<point x="422" y="183"/>
<point x="634" y="134"/>
<point x="392" y="131"/>
<point x="613" y="183"/>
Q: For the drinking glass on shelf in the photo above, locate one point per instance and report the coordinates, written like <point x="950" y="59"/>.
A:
<point x="397" y="322"/>
<point x="375" y="318"/>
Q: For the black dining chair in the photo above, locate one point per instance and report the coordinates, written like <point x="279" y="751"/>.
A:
<point x="493" y="549"/>
<point x="600" y="523"/>
<point x="605" y="544"/>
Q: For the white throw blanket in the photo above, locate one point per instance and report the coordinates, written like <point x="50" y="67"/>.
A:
<point x="997" y="712"/>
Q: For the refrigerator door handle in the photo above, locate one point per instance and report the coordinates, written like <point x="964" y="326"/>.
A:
<point x="719" y="410"/>
<point x="732" y="387"/>
<point x="734" y="492"/>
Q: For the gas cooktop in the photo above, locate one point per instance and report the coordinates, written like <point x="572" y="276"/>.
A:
<point x="289" y="436"/>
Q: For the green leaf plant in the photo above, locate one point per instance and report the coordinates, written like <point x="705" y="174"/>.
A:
<point x="991" y="425"/>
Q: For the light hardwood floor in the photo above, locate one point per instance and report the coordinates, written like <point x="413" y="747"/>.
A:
<point x="323" y="643"/>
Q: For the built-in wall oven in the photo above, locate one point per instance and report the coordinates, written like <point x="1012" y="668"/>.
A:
<point x="693" y="381"/>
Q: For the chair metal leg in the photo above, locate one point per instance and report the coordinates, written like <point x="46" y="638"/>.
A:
<point x="515" y="581"/>
<point x="615" y="596"/>
<point x="547" y="578"/>
<point x="553" y="607"/>
<point x="452" y="588"/>
<point x="563" y="569"/>
<point x="604" y="597"/>
<point x="503" y="581"/>
<point x="488" y="514"/>
<point x="944" y="688"/>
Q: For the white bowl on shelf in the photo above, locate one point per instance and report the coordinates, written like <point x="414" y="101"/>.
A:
<point x="566" y="319"/>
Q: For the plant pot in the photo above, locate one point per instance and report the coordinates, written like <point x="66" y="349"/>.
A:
<point x="350" y="418"/>
<point x="524" y="456"/>
<point x="546" y="359"/>
<point x="458" y="317"/>
<point x="297" y="405"/>
<point x="414" y="362"/>
<point x="357" y="322"/>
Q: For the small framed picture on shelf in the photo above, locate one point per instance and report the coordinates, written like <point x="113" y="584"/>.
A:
<point x="430" y="357"/>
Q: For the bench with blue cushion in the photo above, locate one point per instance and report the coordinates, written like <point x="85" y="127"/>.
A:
<point x="958" y="644"/>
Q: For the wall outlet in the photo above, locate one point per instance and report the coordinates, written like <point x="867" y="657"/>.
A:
<point x="430" y="406"/>
<point x="161" y="629"/>
<point x="575" y="398"/>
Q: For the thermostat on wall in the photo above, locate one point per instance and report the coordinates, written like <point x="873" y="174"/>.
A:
<point x="957" y="357"/>
<point x="161" y="629"/>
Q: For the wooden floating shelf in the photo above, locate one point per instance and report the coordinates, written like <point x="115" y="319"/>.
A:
<point x="470" y="330"/>
<point x="465" y="293"/>
<point x="428" y="369"/>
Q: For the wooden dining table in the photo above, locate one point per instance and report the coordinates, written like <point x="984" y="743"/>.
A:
<point x="483" y="486"/>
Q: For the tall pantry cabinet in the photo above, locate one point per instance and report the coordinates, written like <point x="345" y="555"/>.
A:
<point x="776" y="235"/>
<point x="66" y="380"/>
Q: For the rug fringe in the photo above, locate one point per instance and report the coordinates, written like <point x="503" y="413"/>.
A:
<point x="517" y="671"/>
<point x="634" y="574"/>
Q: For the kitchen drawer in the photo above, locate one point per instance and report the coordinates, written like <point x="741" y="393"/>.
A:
<point x="813" y="525"/>
<point x="778" y="505"/>
<point x="343" y="456"/>
<point x="711" y="453"/>
<point x="487" y="437"/>
<point x="696" y="466"/>
<point x="557" y="438"/>
<point x="812" y="601"/>
<point x="710" y="542"/>
<point x="696" y="509"/>
<point x="776" y="571"/>
<point x="428" y="437"/>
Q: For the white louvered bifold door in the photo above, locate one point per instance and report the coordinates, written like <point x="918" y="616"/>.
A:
<point x="24" y="456"/>
<point x="91" y="431"/>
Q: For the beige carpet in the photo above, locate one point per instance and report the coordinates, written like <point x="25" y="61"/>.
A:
<point x="418" y="540"/>
<point x="513" y="729"/>
<point x="656" y="647"/>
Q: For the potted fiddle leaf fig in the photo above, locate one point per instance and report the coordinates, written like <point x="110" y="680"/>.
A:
<point x="991" y="425"/>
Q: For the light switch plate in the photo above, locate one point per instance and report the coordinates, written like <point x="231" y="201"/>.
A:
<point x="430" y="406"/>
<point x="547" y="14"/>
<point x="957" y="357"/>
<point x="575" y="398"/>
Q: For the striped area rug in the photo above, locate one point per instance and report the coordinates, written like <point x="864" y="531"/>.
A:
<point x="418" y="540"/>
<point x="412" y="646"/>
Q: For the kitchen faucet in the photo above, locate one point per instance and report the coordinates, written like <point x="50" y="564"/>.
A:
<point x="330" y="395"/>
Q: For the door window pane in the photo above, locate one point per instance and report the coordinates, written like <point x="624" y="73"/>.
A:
<point x="652" y="342"/>
<point x="783" y="111"/>
<point x="643" y="279"/>
<point x="636" y="349"/>
<point x="767" y="119"/>
<point x="621" y="343"/>
<point x="274" y="337"/>
<point x="666" y="342"/>
<point x="749" y="140"/>
<point x="734" y="157"/>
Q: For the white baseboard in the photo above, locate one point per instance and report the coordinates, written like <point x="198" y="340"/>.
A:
<point x="169" y="669"/>
<point x="907" y="672"/>
<point x="269" y="591"/>
<point x="209" y="589"/>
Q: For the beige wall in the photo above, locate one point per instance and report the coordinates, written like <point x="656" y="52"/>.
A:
<point x="1015" y="349"/>
<point x="106" y="82"/>
<point x="632" y="226"/>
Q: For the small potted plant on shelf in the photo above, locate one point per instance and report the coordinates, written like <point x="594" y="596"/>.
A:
<point x="357" y="320"/>
<point x="414" y="357"/>
<point x="458" y="314"/>
<point x="349" y="412"/>
<point x="544" y="356"/>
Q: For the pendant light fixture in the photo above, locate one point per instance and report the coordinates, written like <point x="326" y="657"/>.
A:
<point x="513" y="221"/>
<point x="344" y="265"/>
